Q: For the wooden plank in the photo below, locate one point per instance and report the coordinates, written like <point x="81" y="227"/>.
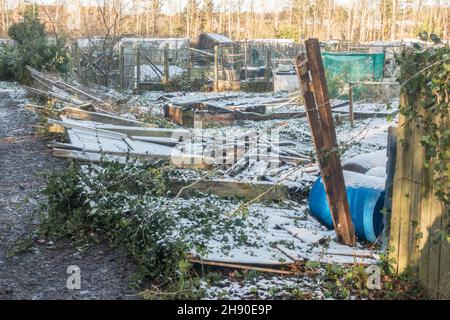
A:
<point x="426" y="194"/>
<point x="435" y="248"/>
<point x="324" y="257"/>
<point x="406" y="195"/>
<point x="92" y="156"/>
<point x="103" y="118"/>
<point x="328" y="155"/>
<point x="147" y="132"/>
<point x="417" y="159"/>
<point x="396" y="216"/>
<point x="239" y="266"/>
<point x="350" y="105"/>
<point x="233" y="189"/>
<point x="444" y="268"/>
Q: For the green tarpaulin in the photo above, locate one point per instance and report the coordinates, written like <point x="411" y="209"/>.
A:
<point x="354" y="66"/>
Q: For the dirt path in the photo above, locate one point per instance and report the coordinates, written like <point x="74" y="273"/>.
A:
<point x="39" y="272"/>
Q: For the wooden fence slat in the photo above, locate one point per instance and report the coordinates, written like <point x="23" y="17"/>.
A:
<point x="394" y="235"/>
<point x="435" y="252"/>
<point x="444" y="268"/>
<point x="424" y="245"/>
<point x="417" y="158"/>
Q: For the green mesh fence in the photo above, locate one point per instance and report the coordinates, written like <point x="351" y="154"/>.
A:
<point x="354" y="66"/>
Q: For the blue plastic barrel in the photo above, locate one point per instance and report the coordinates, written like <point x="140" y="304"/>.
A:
<point x="366" y="198"/>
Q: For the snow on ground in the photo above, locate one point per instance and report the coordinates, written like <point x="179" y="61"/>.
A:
<point x="367" y="135"/>
<point x="266" y="287"/>
<point x="155" y="73"/>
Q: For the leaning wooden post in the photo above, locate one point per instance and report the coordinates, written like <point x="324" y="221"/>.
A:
<point x="216" y="68"/>
<point x="318" y="109"/>
<point x="268" y="64"/>
<point x="138" y="66"/>
<point x="166" y="63"/>
<point x="350" y="105"/>
<point x="122" y="67"/>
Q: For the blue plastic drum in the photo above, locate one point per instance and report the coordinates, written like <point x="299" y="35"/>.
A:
<point x="366" y="200"/>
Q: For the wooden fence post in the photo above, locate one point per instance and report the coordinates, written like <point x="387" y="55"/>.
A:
<point x="138" y="66"/>
<point x="166" y="63"/>
<point x="189" y="57"/>
<point x="390" y="172"/>
<point x="122" y="67"/>
<point x="268" y="63"/>
<point x="318" y="110"/>
<point x="245" y="60"/>
<point x="76" y="59"/>
<point x="216" y="68"/>
<point x="350" y="105"/>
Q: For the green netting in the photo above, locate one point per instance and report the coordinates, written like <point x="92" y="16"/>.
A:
<point x="354" y="66"/>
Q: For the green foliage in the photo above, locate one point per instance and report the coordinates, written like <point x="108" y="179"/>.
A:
<point x="7" y="62"/>
<point x="345" y="282"/>
<point x="129" y="205"/>
<point x="120" y="203"/>
<point x="32" y="48"/>
<point x="425" y="79"/>
<point x="424" y="36"/>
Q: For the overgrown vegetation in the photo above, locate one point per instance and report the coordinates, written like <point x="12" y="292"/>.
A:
<point x="343" y="282"/>
<point x="129" y="206"/>
<point x="119" y="203"/>
<point x="32" y="47"/>
<point x="425" y="82"/>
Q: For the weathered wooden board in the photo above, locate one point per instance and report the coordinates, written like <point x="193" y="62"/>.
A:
<point x="79" y="114"/>
<point x="233" y="189"/>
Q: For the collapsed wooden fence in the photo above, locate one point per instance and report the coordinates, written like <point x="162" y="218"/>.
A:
<point x="418" y="217"/>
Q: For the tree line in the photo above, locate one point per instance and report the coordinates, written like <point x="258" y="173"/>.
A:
<point x="352" y="20"/>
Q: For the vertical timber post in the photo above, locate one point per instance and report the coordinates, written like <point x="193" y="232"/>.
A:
<point x="216" y="68"/>
<point x="76" y="59"/>
<point x="245" y="60"/>
<point x="166" y="63"/>
<point x="268" y="67"/>
<point x="122" y="67"/>
<point x="350" y="105"/>
<point x="189" y="57"/>
<point x="138" y="66"/>
<point x="318" y="109"/>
